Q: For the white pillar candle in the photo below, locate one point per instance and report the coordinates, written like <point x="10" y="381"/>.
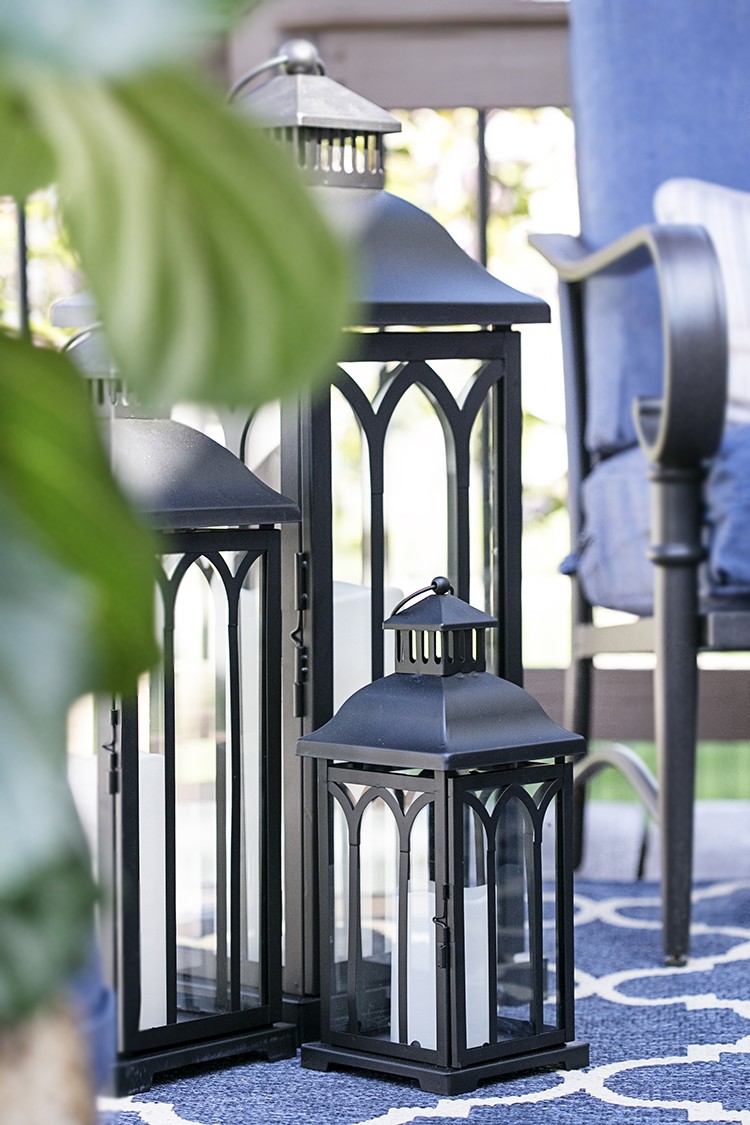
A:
<point x="152" y="891"/>
<point x="476" y="966"/>
<point x="420" y="972"/>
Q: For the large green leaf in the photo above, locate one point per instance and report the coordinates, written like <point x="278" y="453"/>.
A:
<point x="27" y="161"/>
<point x="216" y="277"/>
<point x="46" y="660"/>
<point x="54" y="470"/>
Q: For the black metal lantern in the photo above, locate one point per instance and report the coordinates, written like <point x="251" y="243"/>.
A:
<point x="190" y="778"/>
<point x="445" y="866"/>
<point x="430" y="326"/>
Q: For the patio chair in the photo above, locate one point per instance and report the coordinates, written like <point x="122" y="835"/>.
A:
<point x="655" y="306"/>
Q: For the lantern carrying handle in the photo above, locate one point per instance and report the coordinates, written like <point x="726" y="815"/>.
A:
<point x="438" y="585"/>
<point x="298" y="56"/>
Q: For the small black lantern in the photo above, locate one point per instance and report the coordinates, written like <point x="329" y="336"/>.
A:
<point x="445" y="866"/>
<point x="189" y="819"/>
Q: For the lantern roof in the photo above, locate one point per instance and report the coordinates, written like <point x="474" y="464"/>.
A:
<point x="440" y="612"/>
<point x="436" y="723"/>
<point x="179" y="478"/>
<point x="314" y="101"/>
<point x="408" y="270"/>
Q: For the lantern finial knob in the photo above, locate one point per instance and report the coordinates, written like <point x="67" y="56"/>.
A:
<point x="301" y="57"/>
<point x="441" y="586"/>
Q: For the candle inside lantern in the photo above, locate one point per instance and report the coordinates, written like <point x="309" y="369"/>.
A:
<point x="420" y="972"/>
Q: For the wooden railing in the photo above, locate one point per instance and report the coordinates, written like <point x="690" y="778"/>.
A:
<point x="410" y="53"/>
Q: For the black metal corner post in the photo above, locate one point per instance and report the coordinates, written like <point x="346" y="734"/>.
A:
<point x="508" y="525"/>
<point x="307" y="611"/>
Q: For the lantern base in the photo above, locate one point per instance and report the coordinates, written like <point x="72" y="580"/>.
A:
<point x="133" y="1075"/>
<point x="444" y="1079"/>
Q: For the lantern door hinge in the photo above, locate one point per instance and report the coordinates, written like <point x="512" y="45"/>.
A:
<point x="113" y="775"/>
<point x="301" y="652"/>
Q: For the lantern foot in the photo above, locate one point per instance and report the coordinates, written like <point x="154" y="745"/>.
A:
<point x="134" y="1075"/>
<point x="446" y="1080"/>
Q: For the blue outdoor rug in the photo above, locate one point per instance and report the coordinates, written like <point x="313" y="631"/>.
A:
<point x="668" y="1045"/>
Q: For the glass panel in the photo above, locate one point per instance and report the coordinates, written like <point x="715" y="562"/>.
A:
<point x="201" y="795"/>
<point x="378" y="858"/>
<point x="421" y="984"/>
<point x="204" y="721"/>
<point x="251" y="631"/>
<point x="476" y="929"/>
<point x="416" y="493"/>
<point x="510" y="928"/>
<point x="513" y="877"/>
<point x="553" y="1013"/>
<point x="152" y="886"/>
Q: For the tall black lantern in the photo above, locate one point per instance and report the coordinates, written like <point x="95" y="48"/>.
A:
<point x="431" y="325"/>
<point x="190" y="778"/>
<point x="445" y="866"/>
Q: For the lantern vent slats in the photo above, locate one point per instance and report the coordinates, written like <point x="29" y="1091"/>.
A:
<point x="434" y="653"/>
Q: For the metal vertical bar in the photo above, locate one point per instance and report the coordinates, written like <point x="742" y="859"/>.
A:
<point x="377" y="552"/>
<point x="222" y="905"/>
<point x="270" y="776"/>
<point x="508" y="423"/>
<point x="564" y="969"/>
<point x="130" y="903"/>
<point x="170" y="804"/>
<point x="354" y="942"/>
<point x="403" y="942"/>
<point x="483" y="186"/>
<point x="24" y="319"/>
<point x="533" y="852"/>
<point x="492" y="938"/>
<point x="235" y="811"/>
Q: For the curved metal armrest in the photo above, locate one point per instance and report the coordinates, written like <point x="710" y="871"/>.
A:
<point x="685" y="425"/>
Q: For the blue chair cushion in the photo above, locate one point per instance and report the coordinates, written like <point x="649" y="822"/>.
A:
<point x="611" y="557"/>
<point x="620" y="65"/>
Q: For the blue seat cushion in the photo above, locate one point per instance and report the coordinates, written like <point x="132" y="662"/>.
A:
<point x="640" y="121"/>
<point x="611" y="557"/>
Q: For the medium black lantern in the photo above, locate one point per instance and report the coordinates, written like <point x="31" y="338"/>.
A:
<point x="445" y="866"/>
<point x="190" y="778"/>
<point x="431" y="342"/>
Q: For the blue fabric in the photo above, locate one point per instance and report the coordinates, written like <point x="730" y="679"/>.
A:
<point x="660" y="88"/>
<point x="611" y="558"/>
<point x="668" y="1045"/>
<point x="95" y="1006"/>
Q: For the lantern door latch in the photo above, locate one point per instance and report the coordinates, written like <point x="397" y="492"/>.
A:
<point x="113" y="775"/>
<point x="442" y="945"/>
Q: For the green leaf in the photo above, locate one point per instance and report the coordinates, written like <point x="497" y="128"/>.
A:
<point x="108" y="37"/>
<point x="27" y="162"/>
<point x="216" y="276"/>
<point x="54" y="471"/>
<point x="46" y="889"/>
<point x="46" y="660"/>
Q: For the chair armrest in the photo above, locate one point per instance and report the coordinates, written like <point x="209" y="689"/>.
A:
<point x="684" y="426"/>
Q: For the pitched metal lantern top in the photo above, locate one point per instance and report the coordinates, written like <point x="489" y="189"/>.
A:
<point x="179" y="478"/>
<point x="175" y="476"/>
<point x="440" y="710"/>
<point x="408" y="269"/>
<point x="333" y="134"/>
<point x="440" y="635"/>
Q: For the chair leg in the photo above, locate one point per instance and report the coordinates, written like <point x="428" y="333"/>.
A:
<point x="676" y="552"/>
<point x="675" y="705"/>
